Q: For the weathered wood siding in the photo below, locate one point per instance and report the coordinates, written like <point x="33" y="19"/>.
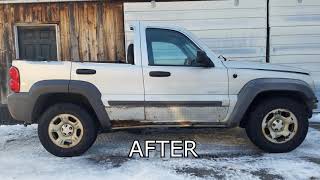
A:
<point x="89" y="31"/>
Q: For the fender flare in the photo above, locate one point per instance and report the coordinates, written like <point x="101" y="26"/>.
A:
<point x="257" y="86"/>
<point x="85" y="89"/>
<point x="93" y="95"/>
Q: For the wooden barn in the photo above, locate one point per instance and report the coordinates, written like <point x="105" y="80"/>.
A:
<point x="266" y="31"/>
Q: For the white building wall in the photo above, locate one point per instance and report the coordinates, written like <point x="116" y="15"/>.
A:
<point x="234" y="28"/>
<point x="238" y="28"/>
<point x="295" y="35"/>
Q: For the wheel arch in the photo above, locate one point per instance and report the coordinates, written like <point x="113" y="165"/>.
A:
<point x="256" y="90"/>
<point x="47" y="100"/>
<point x="50" y="92"/>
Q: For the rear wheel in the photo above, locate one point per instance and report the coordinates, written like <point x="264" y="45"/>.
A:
<point x="278" y="125"/>
<point x="66" y="130"/>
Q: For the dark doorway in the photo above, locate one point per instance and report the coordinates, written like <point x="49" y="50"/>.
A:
<point x="37" y="43"/>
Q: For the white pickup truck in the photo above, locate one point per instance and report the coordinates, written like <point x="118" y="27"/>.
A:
<point x="170" y="79"/>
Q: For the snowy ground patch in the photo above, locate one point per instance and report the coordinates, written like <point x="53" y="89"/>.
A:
<point x="315" y="118"/>
<point x="224" y="154"/>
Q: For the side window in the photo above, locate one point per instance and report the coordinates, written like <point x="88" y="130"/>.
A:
<point x="171" y="48"/>
<point x="167" y="53"/>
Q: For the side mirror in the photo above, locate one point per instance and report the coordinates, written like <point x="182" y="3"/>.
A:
<point x="203" y="59"/>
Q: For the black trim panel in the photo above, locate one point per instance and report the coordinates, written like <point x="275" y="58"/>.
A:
<point x="167" y="103"/>
<point x="286" y="71"/>
<point x="159" y="74"/>
<point x="125" y="124"/>
<point x="86" y="71"/>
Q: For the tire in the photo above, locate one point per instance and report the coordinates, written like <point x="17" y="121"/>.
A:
<point x="258" y="125"/>
<point x="52" y="122"/>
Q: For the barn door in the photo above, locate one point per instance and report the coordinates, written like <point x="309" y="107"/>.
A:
<point x="37" y="43"/>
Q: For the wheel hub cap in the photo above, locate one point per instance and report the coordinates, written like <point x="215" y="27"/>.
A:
<point x="279" y="126"/>
<point x="67" y="130"/>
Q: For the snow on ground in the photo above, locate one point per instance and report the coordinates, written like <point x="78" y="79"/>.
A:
<point x="224" y="154"/>
<point x="315" y="118"/>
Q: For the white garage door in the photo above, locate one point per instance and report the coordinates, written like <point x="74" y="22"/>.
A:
<point x="234" y="28"/>
<point x="295" y="35"/>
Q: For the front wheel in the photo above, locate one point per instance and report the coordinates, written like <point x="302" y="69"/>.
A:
<point x="278" y="125"/>
<point x="66" y="130"/>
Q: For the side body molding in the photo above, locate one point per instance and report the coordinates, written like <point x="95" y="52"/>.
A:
<point x="22" y="105"/>
<point x="254" y="87"/>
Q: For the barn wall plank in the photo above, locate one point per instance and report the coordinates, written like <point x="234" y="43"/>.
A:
<point x="105" y="31"/>
<point x="84" y="54"/>
<point x="119" y="31"/>
<point x="110" y="44"/>
<point x="74" y="29"/>
<point x="65" y="32"/>
<point x="92" y="28"/>
<point x="100" y="35"/>
<point x="8" y="47"/>
<point x="2" y="56"/>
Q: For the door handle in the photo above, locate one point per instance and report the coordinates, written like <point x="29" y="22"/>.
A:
<point x="159" y="74"/>
<point x="86" y="71"/>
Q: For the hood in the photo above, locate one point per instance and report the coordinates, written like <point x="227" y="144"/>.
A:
<point x="264" y="67"/>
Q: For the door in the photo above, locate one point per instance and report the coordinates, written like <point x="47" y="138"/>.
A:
<point x="37" y="43"/>
<point x="121" y="87"/>
<point x="177" y="89"/>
